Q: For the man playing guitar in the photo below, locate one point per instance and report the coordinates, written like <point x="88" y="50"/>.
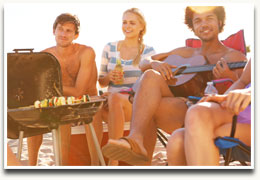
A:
<point x="155" y="105"/>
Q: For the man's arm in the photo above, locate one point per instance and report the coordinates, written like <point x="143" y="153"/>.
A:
<point x="87" y="63"/>
<point x="146" y="63"/>
<point x="155" y="60"/>
<point x="221" y="70"/>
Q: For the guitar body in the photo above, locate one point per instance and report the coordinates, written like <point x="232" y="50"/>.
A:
<point x="189" y="84"/>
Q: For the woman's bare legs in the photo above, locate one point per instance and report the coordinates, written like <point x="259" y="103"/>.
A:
<point x="243" y="132"/>
<point x="200" y="124"/>
<point x="201" y="130"/>
<point x="120" y="111"/>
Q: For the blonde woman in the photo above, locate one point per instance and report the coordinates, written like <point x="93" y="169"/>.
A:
<point x="130" y="51"/>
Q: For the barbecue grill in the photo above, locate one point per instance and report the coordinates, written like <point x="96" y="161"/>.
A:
<point x="36" y="76"/>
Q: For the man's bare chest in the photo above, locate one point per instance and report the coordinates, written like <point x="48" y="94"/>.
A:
<point x="69" y="66"/>
<point x="214" y="58"/>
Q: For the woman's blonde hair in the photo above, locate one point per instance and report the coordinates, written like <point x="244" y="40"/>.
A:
<point x="141" y="19"/>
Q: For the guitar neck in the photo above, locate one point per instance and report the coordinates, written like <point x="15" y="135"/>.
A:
<point x="209" y="67"/>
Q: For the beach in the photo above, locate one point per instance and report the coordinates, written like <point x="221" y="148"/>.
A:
<point x="46" y="155"/>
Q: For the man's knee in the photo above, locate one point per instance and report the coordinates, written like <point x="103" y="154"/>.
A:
<point x="150" y="74"/>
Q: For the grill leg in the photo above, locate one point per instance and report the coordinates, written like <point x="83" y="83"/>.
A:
<point x="97" y="146"/>
<point x="20" y="145"/>
<point x="56" y="146"/>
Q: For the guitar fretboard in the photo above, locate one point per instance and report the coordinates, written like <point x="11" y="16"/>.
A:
<point x="209" y="67"/>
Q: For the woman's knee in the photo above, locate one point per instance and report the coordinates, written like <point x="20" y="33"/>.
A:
<point x="197" y="117"/>
<point x="114" y="99"/>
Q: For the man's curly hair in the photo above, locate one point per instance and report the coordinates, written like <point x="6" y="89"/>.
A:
<point x="219" y="11"/>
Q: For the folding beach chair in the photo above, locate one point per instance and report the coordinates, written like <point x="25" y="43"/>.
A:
<point x="232" y="148"/>
<point x="235" y="41"/>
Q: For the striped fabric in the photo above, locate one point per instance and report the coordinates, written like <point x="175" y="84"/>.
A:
<point x="131" y="73"/>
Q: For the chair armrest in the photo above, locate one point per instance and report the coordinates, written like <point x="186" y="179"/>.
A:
<point x="234" y="125"/>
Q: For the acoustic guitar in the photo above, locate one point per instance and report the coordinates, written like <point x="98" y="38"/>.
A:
<point x="192" y="74"/>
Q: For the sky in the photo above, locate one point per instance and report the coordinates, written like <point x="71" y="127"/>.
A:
<point x="29" y="25"/>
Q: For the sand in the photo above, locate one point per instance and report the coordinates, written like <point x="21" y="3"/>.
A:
<point x="46" y="155"/>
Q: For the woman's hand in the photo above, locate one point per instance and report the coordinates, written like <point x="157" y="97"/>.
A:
<point x="213" y="98"/>
<point x="163" y="68"/>
<point x="235" y="101"/>
<point x="115" y="76"/>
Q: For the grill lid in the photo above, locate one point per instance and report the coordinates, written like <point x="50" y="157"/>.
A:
<point x="32" y="76"/>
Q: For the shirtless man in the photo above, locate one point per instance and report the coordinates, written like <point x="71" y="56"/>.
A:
<point x="154" y="103"/>
<point x="79" y="75"/>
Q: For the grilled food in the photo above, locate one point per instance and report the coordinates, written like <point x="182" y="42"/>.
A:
<point x="59" y="101"/>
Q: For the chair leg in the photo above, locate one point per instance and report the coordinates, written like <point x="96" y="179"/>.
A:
<point x="162" y="138"/>
<point x="20" y="145"/>
<point x="97" y="146"/>
<point x="56" y="146"/>
<point x="243" y="163"/>
<point x="228" y="157"/>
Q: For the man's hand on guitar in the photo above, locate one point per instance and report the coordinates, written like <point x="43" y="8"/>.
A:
<point x="221" y="70"/>
<point x="163" y="68"/>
